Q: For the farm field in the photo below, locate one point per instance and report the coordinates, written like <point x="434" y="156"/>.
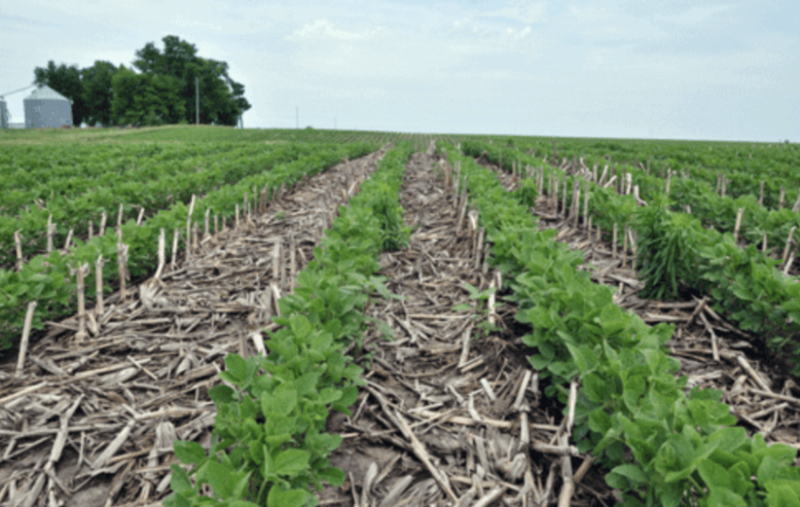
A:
<point x="369" y="318"/>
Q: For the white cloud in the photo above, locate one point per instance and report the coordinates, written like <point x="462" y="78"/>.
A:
<point x="182" y="21"/>
<point x="518" y="34"/>
<point x="695" y="14"/>
<point x="589" y="13"/>
<point x="324" y="28"/>
<point x="523" y="11"/>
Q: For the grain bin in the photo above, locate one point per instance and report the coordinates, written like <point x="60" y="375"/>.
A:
<point x="46" y="107"/>
<point x="4" y="119"/>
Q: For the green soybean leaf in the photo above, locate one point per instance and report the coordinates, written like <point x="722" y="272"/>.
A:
<point x="241" y="487"/>
<point x="782" y="453"/>
<point x="176" y="501"/>
<point x="329" y="395"/>
<point x="276" y="440"/>
<point x="769" y="469"/>
<point x="189" y="453"/>
<point x="599" y="421"/>
<point x="179" y="482"/>
<point x="539" y="362"/>
<point x="782" y="495"/>
<point x="222" y="394"/>
<point x="671" y="494"/>
<point x="674" y="458"/>
<point x="307" y="383"/>
<point x="242" y="503"/>
<point x="221" y="478"/>
<point x="740" y="479"/>
<point x="236" y="366"/>
<point x="584" y="357"/>
<point x="714" y="475"/>
<point x="634" y="473"/>
<point x="723" y="497"/>
<point x="729" y="439"/>
<point x="288" y="498"/>
<point x="595" y="387"/>
<point x="301" y="326"/>
<point x="323" y="443"/>
<point x="281" y="402"/>
<point x="633" y="389"/>
<point x="333" y="476"/>
<point x="268" y="467"/>
<point x="291" y="462"/>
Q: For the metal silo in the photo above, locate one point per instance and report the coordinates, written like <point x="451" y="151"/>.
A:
<point x="46" y="107"/>
<point x="4" y="119"/>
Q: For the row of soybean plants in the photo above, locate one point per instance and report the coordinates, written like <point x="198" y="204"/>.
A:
<point x="27" y="166"/>
<point x="268" y="445"/>
<point x="677" y="254"/>
<point x="156" y="188"/>
<point x="324" y="135"/>
<point x="770" y="227"/>
<point x="745" y="165"/>
<point x="37" y="157"/>
<point x="321" y="135"/>
<point x="758" y="226"/>
<point x="47" y="280"/>
<point x="662" y="446"/>
<point x="43" y="174"/>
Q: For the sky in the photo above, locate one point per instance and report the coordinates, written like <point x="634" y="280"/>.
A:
<point x="664" y="69"/>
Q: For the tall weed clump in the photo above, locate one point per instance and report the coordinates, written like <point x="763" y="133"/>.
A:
<point x="394" y="233"/>
<point x="527" y="192"/>
<point x="668" y="249"/>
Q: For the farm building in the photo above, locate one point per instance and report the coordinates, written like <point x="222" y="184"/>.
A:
<point x="46" y="107"/>
<point x="3" y="114"/>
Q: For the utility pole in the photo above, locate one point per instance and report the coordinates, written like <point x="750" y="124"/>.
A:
<point x="297" y="116"/>
<point x="197" y="100"/>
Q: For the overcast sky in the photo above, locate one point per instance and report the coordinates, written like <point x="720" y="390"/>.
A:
<point x="622" y="68"/>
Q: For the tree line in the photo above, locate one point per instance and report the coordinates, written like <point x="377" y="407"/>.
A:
<point x="158" y="89"/>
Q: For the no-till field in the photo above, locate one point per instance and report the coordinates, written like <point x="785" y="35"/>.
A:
<point x="452" y="412"/>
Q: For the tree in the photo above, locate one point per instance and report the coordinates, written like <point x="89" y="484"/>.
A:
<point x="66" y="81"/>
<point x="172" y="62"/>
<point x="103" y="93"/>
<point x="145" y="99"/>
<point x="221" y="98"/>
<point x="98" y="92"/>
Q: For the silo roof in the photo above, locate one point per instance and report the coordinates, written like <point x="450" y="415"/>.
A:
<point x="45" y="93"/>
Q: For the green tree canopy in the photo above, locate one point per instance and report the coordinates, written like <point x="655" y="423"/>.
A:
<point x="146" y="99"/>
<point x="162" y="92"/>
<point x="66" y="80"/>
<point x="221" y="98"/>
<point x="98" y="92"/>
